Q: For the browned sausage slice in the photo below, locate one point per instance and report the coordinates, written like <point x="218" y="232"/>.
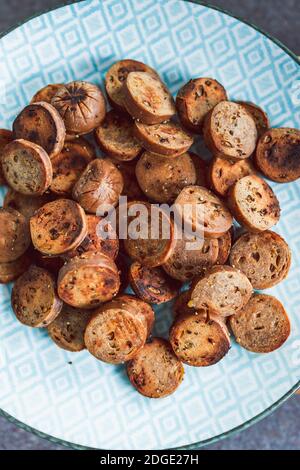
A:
<point x="53" y="264"/>
<point x="6" y="137"/>
<point x="14" y="235"/>
<point x="11" y="270"/>
<point x="58" y="227"/>
<point x="181" y="304"/>
<point x="131" y="187"/>
<point x="260" y="117"/>
<point x="46" y="93"/>
<point x="34" y="298"/>
<point x="26" y="205"/>
<point x="201" y="169"/>
<point x="225" y="243"/>
<point x="225" y="173"/>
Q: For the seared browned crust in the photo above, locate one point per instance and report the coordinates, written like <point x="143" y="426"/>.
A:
<point x="69" y="165"/>
<point x="262" y="326"/>
<point x="41" y="124"/>
<point x="197" y="98"/>
<point x="155" y="371"/>
<point x="224" y="247"/>
<point x="100" y="184"/>
<point x="11" y="270"/>
<point x="181" y="306"/>
<point x="224" y="173"/>
<point x="254" y="204"/>
<point x="53" y="264"/>
<point x="131" y="187"/>
<point x="46" y="93"/>
<point x="165" y="139"/>
<point x="260" y="116"/>
<point x="265" y="258"/>
<point x="201" y="169"/>
<point x="6" y="137"/>
<point x="115" y="137"/>
<point x="14" y="235"/>
<point x="88" y="280"/>
<point x="58" y="227"/>
<point x="67" y="330"/>
<point x="34" y="298"/>
<point x="278" y="154"/>
<point x="27" y="167"/>
<point x="152" y="285"/>
<point x="81" y="105"/>
<point x="26" y="205"/>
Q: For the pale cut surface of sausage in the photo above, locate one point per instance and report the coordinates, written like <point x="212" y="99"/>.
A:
<point x="260" y="117"/>
<point x="41" y="124"/>
<point x="230" y="131"/>
<point x="138" y="305"/>
<point x="162" y="178"/>
<point x="222" y="291"/>
<point x="198" y="341"/>
<point x="152" y="285"/>
<point x="100" y="184"/>
<point x="203" y="212"/>
<point x="196" y="99"/>
<point x="46" y="93"/>
<point x="278" y="154"/>
<point x="58" y="227"/>
<point x="26" y="205"/>
<point x="81" y="105"/>
<point x="11" y="270"/>
<point x="6" y="137"/>
<point x="67" y="330"/>
<point x="88" y="280"/>
<point x="14" y="235"/>
<point x="164" y="139"/>
<point x="27" y="168"/>
<point x="155" y="371"/>
<point x="262" y="326"/>
<point x="70" y="164"/>
<point x="115" y="137"/>
<point x="116" y="76"/>
<point x="147" y="98"/>
<point x="254" y="204"/>
<point x="224" y="173"/>
<point x="224" y="243"/>
<point x="34" y="298"/>
<point x="265" y="258"/>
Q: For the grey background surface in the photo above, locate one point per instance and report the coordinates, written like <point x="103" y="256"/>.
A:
<point x="280" y="18"/>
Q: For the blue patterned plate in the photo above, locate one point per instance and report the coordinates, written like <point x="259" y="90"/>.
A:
<point x="72" y="397"/>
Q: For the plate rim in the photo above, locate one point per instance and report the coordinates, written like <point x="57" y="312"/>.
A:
<point x="255" y="419"/>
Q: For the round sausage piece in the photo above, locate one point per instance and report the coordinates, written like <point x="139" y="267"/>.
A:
<point x="46" y="93"/>
<point x="152" y="285"/>
<point x="162" y="178"/>
<point x="224" y="243"/>
<point x="41" y="124"/>
<point x="100" y="184"/>
<point x="262" y="326"/>
<point x="116" y="76"/>
<point x="14" y="235"/>
<point x="278" y="154"/>
<point x="140" y="305"/>
<point x="224" y="173"/>
<point x="196" y="99"/>
<point x="199" y="341"/>
<point x="155" y="371"/>
<point x="11" y="270"/>
<point x="81" y="105"/>
<point x="131" y="188"/>
<point x="222" y="291"/>
<point x="88" y="280"/>
<point x="165" y="139"/>
<point x="6" y="137"/>
<point x="260" y="117"/>
<point x="230" y="131"/>
<point x="115" y="137"/>
<point x="70" y="164"/>
<point x="147" y="98"/>
<point x="203" y="212"/>
<point x="265" y="258"/>
<point x="67" y="330"/>
<point x="58" y="227"/>
<point x="254" y="204"/>
<point x="181" y="304"/>
<point x="34" y="298"/>
<point x="26" y="205"/>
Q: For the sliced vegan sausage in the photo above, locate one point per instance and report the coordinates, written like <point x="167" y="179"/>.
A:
<point x="11" y="270"/>
<point x="34" y="298"/>
<point x="152" y="285"/>
<point x="26" y="205"/>
<point x="265" y="258"/>
<point x="115" y="137"/>
<point x="278" y="154"/>
<point x="58" y="227"/>
<point x="224" y="243"/>
<point x="139" y="305"/>
<point x="260" y="117"/>
<point x="222" y="291"/>
<point x="46" y="93"/>
<point x="196" y="99"/>
<point x="67" y="330"/>
<point x="254" y="204"/>
<point x="88" y="280"/>
<point x="230" y="131"/>
<point x="262" y="326"/>
<point x="155" y="371"/>
<point x="201" y="169"/>
<point x="162" y="178"/>
<point x="100" y="184"/>
<point x="27" y="168"/>
<point x="181" y="304"/>
<point x="224" y="173"/>
<point x="131" y="188"/>
<point x="147" y="98"/>
<point x="81" y="106"/>
<point x="165" y="139"/>
<point x="41" y="124"/>
<point x="6" y="137"/>
<point x="14" y="235"/>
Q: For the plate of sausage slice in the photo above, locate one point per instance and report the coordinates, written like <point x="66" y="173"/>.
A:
<point x="174" y="341"/>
